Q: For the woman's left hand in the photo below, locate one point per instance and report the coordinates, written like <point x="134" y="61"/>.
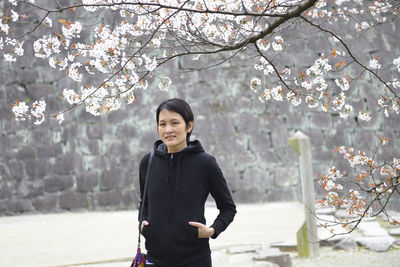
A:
<point x="204" y="231"/>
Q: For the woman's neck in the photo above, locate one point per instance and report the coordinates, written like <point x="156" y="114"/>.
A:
<point x="176" y="149"/>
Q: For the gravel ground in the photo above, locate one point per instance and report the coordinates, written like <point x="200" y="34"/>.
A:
<point x="327" y="258"/>
<point x="363" y="258"/>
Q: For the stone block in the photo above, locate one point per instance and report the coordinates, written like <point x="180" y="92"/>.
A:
<point x="282" y="194"/>
<point x="131" y="198"/>
<point x="279" y="258"/>
<point x="247" y="123"/>
<point x="259" y="141"/>
<point x="69" y="133"/>
<point x="202" y="124"/>
<point x="335" y="138"/>
<point x="67" y="164"/>
<point x="87" y="181"/>
<point x="56" y="183"/>
<point x="5" y="113"/>
<point x="37" y="91"/>
<point x="94" y="131"/>
<point x="248" y="195"/>
<point x="109" y="198"/>
<point x="286" y="176"/>
<point x="257" y="178"/>
<point x="243" y="249"/>
<point x="20" y="206"/>
<point x="394" y="232"/>
<point x="364" y="139"/>
<point x="118" y="148"/>
<point x="5" y="191"/>
<point x="347" y="244"/>
<point x="73" y="201"/>
<point x="94" y="147"/>
<point x="283" y="155"/>
<point x="376" y="243"/>
<point x="27" y="76"/>
<point x="29" y="189"/>
<point x="117" y="116"/>
<point x="264" y="264"/>
<point x="320" y="120"/>
<point x="26" y="153"/>
<point x="46" y="203"/>
<point x="49" y="151"/>
<point x="372" y="229"/>
<point x="112" y="179"/>
<point x="147" y="139"/>
<point x="127" y="132"/>
<point x="280" y="137"/>
<point x="37" y="169"/>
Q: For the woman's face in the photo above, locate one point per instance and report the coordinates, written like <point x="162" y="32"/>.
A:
<point x="172" y="130"/>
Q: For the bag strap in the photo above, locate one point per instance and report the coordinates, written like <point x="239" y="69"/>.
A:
<point x="146" y="182"/>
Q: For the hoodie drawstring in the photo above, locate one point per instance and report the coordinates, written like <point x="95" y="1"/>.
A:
<point x="166" y="169"/>
<point x="178" y="175"/>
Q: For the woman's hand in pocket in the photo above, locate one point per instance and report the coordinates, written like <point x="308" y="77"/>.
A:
<point x="204" y="230"/>
<point x="144" y="223"/>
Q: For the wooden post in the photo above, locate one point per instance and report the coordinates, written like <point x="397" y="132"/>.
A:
<point x="301" y="143"/>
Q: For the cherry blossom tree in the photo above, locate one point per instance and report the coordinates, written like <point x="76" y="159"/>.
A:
<point x="141" y="36"/>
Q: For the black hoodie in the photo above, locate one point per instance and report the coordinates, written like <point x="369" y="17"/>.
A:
<point x="178" y="187"/>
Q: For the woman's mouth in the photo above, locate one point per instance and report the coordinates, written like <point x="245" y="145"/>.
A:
<point x="169" y="138"/>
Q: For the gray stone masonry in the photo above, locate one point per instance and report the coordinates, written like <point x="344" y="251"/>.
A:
<point x="91" y="163"/>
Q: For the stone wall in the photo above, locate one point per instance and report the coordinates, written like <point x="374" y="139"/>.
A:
<point x="91" y="163"/>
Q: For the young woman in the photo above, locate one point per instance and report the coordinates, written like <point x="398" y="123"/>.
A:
<point x="181" y="177"/>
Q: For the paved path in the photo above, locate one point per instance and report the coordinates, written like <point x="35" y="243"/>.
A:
<point x="100" y="237"/>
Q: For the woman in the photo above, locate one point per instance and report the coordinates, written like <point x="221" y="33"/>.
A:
<point x="180" y="179"/>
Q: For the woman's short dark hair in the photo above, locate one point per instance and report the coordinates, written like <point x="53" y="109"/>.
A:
<point x="179" y="106"/>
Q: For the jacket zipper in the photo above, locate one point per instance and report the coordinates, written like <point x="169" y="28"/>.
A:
<point x="170" y="215"/>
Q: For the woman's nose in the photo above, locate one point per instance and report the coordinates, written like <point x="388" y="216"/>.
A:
<point x="168" y="129"/>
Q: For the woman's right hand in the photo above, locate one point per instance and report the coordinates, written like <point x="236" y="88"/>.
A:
<point x="144" y="223"/>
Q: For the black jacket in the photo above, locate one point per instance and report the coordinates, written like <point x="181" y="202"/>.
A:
<point x="178" y="187"/>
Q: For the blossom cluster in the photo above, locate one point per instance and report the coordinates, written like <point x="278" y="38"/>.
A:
<point x="380" y="187"/>
<point x="148" y="33"/>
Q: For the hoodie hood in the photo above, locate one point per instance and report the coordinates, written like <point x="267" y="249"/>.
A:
<point x="174" y="160"/>
<point x="160" y="148"/>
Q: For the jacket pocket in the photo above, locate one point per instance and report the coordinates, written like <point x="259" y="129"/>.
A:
<point x="185" y="234"/>
<point x="156" y="236"/>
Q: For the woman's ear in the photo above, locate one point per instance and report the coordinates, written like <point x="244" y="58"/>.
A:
<point x="190" y="126"/>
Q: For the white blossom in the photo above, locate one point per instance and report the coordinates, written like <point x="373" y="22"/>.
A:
<point x="343" y="83"/>
<point x="396" y="62"/>
<point x="71" y="96"/>
<point x="14" y="15"/>
<point x="278" y="44"/>
<point x="60" y="117"/>
<point x="4" y="27"/>
<point x="373" y="63"/>
<point x="47" y="22"/>
<point x="277" y="93"/>
<point x="346" y="111"/>
<point x="20" y="110"/>
<point x="364" y="116"/>
<point x="73" y="72"/>
<point x="150" y="64"/>
<point x="263" y="45"/>
<point x="9" y="58"/>
<point x="37" y="111"/>
<point x="164" y="84"/>
<point x="255" y="82"/>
